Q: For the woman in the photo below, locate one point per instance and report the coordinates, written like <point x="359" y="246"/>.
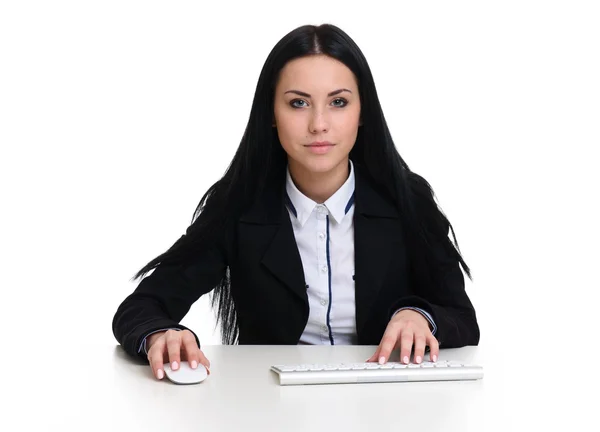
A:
<point x="317" y="233"/>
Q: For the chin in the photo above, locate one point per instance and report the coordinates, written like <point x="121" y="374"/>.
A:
<point x="321" y="164"/>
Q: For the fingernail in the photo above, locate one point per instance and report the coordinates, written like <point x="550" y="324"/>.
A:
<point x="174" y="365"/>
<point x="405" y="359"/>
<point x="194" y="364"/>
<point x="381" y="360"/>
<point x="434" y="358"/>
<point x="418" y="359"/>
<point x="160" y="374"/>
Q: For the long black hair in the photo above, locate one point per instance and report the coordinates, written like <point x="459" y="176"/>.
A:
<point x="260" y="155"/>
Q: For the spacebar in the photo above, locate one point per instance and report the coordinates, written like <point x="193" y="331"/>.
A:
<point x="381" y="378"/>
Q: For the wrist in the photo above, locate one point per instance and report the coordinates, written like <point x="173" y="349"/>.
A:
<point x="152" y="338"/>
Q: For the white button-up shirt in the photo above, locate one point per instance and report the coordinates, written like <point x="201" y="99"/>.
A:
<point x="325" y="238"/>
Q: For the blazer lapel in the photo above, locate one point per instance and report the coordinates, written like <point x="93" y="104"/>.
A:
<point x="377" y="235"/>
<point x="271" y="220"/>
<point x="282" y="257"/>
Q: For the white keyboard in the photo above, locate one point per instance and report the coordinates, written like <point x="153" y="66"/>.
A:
<point x="344" y="373"/>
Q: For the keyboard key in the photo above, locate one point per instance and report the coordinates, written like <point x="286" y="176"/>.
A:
<point x="359" y="366"/>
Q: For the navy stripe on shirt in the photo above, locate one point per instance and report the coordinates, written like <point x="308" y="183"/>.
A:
<point x="329" y="277"/>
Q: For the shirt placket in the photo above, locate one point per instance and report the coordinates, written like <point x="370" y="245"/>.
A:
<point x="322" y="270"/>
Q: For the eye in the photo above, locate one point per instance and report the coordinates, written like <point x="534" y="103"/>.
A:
<point x="343" y="100"/>
<point x="296" y="100"/>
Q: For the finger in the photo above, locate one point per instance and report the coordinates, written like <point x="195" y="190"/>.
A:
<point x="174" y="348"/>
<point x="155" y="357"/>
<point x="204" y="360"/>
<point x="189" y="349"/>
<point x="387" y="345"/>
<point x="406" y="342"/>
<point x="192" y="352"/>
<point x="434" y="348"/>
<point x="374" y="356"/>
<point x="420" y="343"/>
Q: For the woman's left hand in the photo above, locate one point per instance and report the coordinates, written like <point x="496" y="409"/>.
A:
<point x="406" y="328"/>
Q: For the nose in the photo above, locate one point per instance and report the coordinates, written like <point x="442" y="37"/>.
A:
<point x="318" y="122"/>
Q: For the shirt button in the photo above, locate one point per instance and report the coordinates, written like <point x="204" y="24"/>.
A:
<point x="323" y="302"/>
<point x="324" y="328"/>
<point x="321" y="236"/>
<point x="324" y="269"/>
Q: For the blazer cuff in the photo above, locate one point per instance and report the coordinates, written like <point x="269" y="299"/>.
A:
<point x="426" y="314"/>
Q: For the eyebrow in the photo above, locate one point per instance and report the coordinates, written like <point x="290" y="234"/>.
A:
<point x="333" y="93"/>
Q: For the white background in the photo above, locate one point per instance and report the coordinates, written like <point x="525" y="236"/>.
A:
<point x="116" y="116"/>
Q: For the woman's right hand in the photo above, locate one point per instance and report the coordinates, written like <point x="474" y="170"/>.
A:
<point x="174" y="346"/>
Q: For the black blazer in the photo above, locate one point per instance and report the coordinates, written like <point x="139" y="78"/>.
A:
<point x="268" y="286"/>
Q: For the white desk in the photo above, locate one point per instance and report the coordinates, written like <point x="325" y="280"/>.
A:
<point x="115" y="393"/>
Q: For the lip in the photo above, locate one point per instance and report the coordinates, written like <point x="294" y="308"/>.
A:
<point x="320" y="147"/>
<point x="320" y="143"/>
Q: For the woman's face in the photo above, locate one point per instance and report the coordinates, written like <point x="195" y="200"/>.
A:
<point x="316" y="99"/>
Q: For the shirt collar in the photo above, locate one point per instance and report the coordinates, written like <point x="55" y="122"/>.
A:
<point x="338" y="204"/>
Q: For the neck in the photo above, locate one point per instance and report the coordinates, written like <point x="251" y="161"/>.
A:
<point x="319" y="186"/>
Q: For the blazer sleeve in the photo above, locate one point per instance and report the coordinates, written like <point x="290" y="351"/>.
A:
<point x="165" y="296"/>
<point x="448" y="303"/>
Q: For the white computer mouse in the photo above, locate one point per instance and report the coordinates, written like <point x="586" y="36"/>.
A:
<point x="185" y="374"/>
